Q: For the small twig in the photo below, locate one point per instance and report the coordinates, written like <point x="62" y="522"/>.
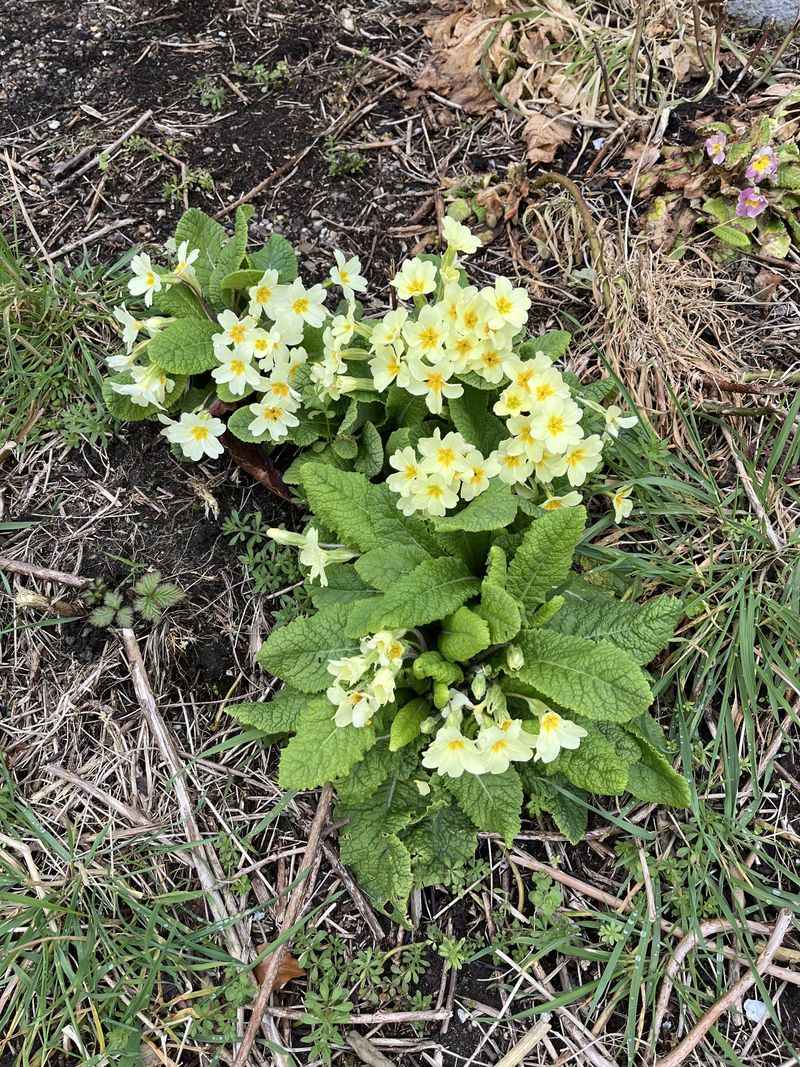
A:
<point x="698" y="36"/>
<point x="734" y="994"/>
<point x="775" y="539"/>
<point x="103" y="153"/>
<point x="779" y="52"/>
<point x="379" y="1018"/>
<point x="234" y="88"/>
<point x="290" y="917"/>
<point x="18" y="566"/>
<point x="90" y="238"/>
<point x="750" y="60"/>
<point x="612" y="106"/>
<point x="378" y="60"/>
<point x="367" y="1052"/>
<point x="177" y="774"/>
<point x="527" y="1044"/>
<point x="279" y="172"/>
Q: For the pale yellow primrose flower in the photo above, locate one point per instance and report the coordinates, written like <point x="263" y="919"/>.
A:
<point x="150" y="385"/>
<point x="406" y="464"/>
<point x="185" y="259"/>
<point x="451" y="754"/>
<point x="479" y="471"/>
<point x="347" y="275"/>
<point x="557" y="424"/>
<point x="505" y="743"/>
<point x="554" y="734"/>
<point x="507" y="305"/>
<point x="197" y="434"/>
<point x="513" y="463"/>
<point x="582" y="458"/>
<point x="263" y="345"/>
<point x="294" y="306"/>
<point x="443" y="455"/>
<point x="262" y="294"/>
<point x="614" y="423"/>
<point x="388" y="330"/>
<point x="426" y="336"/>
<point x="384" y="366"/>
<point x="272" y="418"/>
<point x="315" y="557"/>
<point x="130" y="326"/>
<point x="623" y="505"/>
<point x="416" y="277"/>
<point x="434" y="494"/>
<point x="353" y="708"/>
<point x="237" y="372"/>
<point x="433" y="383"/>
<point x="145" y="280"/>
<point x="458" y="237"/>
<point x="569" y="500"/>
<point x="235" y="331"/>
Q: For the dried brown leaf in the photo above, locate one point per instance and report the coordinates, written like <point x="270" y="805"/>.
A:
<point x="544" y="135"/>
<point x="288" y="970"/>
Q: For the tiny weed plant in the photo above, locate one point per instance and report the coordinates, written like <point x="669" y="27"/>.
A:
<point x="149" y="597"/>
<point x="210" y="93"/>
<point x="342" y="162"/>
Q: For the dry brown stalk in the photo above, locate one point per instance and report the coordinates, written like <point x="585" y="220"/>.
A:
<point x="291" y="915"/>
<point x="18" y="566"/>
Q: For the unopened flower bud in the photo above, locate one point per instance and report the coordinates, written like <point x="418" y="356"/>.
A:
<point x="515" y="660"/>
<point x="427" y="726"/>
<point x="478" y="685"/>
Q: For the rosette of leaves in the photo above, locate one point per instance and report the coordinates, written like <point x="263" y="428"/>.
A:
<point x="467" y="586"/>
<point x="150" y="598"/>
<point x="689" y="194"/>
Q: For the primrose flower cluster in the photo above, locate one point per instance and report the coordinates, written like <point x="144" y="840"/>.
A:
<point x="763" y="165"/>
<point x="364" y="683"/>
<point x="481" y="738"/>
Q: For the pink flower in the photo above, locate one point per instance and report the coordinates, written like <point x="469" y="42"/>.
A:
<point x="715" y="147"/>
<point x="763" y="164"/>
<point x="750" y="203"/>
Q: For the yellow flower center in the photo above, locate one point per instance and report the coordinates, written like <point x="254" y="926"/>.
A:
<point x="263" y="293"/>
<point x="279" y="389"/>
<point x="435" y="382"/>
<point x="435" y="492"/>
<point x="499" y="745"/>
<point x="344" y="276"/>
<point x="551" y="505"/>
<point x="272" y="414"/>
<point x="395" y="651"/>
<point x="511" y="461"/>
<point x="523" y="378"/>
<point x="415" y="286"/>
<point x="261" y="345"/>
<point x="393" y="366"/>
<point x="544" y="391"/>
<point x="429" y="337"/>
<point x="410" y="471"/>
<point x="237" y="333"/>
<point x="200" y="433"/>
<point x="490" y="359"/>
<point x="237" y="366"/>
<point x="555" y="425"/>
<point x="503" y="305"/>
<point x="455" y="745"/>
<point x="477" y="475"/>
<point x="513" y="402"/>
<point x="471" y="318"/>
<point x="576" y="457"/>
<point x="301" y="305"/>
<point x="549" y="722"/>
<point x="446" y="457"/>
<point x="150" y="278"/>
<point x="182" y="266"/>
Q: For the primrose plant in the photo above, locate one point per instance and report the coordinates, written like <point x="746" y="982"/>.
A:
<point x="455" y="670"/>
<point x="743" y="182"/>
<point x="446" y="392"/>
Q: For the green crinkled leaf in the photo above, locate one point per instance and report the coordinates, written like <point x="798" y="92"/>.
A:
<point x="298" y="653"/>
<point x="463" y="635"/>
<point x="367" y="776"/>
<point x="494" y="509"/>
<point x="544" y="557"/>
<point x="242" y="279"/>
<point x="406" y="723"/>
<point x="642" y="630"/>
<point x="731" y="235"/>
<point x="179" y="301"/>
<point x="405" y="410"/>
<point x="203" y="233"/>
<point x="788" y="176"/>
<point x="277" y="716"/>
<point x="369" y="455"/>
<point x="383" y="567"/>
<point x="653" y="780"/>
<point x="547" y="794"/>
<point x="434" y="666"/>
<point x="184" y="347"/>
<point x="594" y="678"/>
<point x="547" y="611"/>
<point x="344" y="586"/>
<point x="369" y="842"/>
<point x="646" y="728"/>
<point x="497" y="566"/>
<point x="554" y="344"/>
<point x="501" y="611"/>
<point x="431" y="591"/>
<point x="774" y="238"/>
<point x="602" y="761"/>
<point x="321" y="751"/>
<point x="239" y="425"/>
<point x="492" y="801"/>
<point x="277" y="254"/>
<point x="361" y="514"/>
<point x="230" y="255"/>
<point x="444" y="841"/>
<point x="473" y="418"/>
